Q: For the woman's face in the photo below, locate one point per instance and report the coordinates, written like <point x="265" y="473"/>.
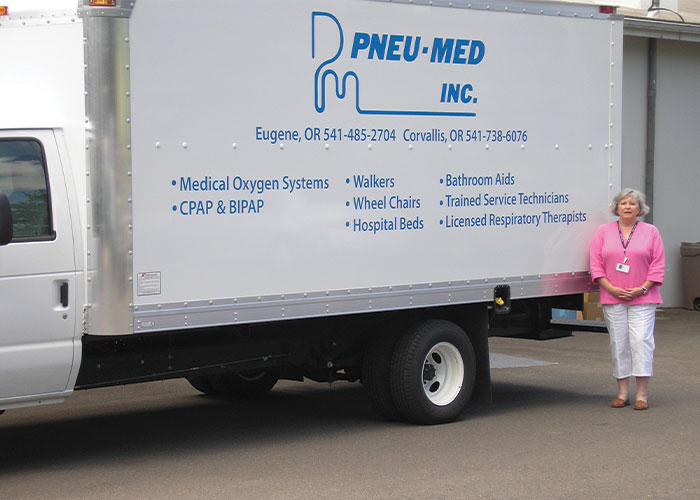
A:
<point x="628" y="207"/>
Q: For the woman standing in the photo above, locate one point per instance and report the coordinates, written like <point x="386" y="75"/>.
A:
<point x="627" y="260"/>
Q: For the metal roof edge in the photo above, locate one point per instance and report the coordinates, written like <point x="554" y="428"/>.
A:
<point x="666" y="30"/>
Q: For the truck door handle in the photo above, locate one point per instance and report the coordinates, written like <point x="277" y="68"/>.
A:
<point x="64" y="294"/>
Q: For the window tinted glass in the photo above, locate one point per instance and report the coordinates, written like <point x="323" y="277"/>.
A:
<point x="23" y="180"/>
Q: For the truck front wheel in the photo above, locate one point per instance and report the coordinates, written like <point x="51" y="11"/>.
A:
<point x="202" y="384"/>
<point x="244" y="385"/>
<point x="432" y="372"/>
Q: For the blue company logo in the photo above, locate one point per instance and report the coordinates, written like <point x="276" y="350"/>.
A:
<point x="392" y="47"/>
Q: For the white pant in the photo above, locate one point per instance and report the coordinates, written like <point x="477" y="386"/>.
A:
<point x="631" y="331"/>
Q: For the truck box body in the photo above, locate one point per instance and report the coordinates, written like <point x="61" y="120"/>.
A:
<point x="224" y="163"/>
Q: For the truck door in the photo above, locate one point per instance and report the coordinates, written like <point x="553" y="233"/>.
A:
<point x="37" y="271"/>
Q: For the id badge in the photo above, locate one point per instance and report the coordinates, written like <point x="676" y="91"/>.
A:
<point x="623" y="268"/>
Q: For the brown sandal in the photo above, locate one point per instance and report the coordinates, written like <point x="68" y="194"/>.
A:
<point x="619" y="403"/>
<point x="641" y="405"/>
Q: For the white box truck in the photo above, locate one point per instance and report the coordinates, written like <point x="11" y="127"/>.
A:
<point x="238" y="192"/>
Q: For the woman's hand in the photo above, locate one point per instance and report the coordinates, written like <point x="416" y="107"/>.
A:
<point x="629" y="293"/>
<point x="620" y="293"/>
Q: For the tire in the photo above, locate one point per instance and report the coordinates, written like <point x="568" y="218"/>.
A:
<point x="696" y="304"/>
<point x="376" y="369"/>
<point x="202" y="384"/>
<point x="244" y="385"/>
<point x="432" y="372"/>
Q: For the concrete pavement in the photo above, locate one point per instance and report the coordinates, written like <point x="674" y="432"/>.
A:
<point x="549" y="434"/>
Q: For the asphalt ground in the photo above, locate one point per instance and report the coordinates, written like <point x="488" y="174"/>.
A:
<point x="549" y="433"/>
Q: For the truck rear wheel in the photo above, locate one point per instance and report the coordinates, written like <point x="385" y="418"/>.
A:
<point x="432" y="372"/>
<point x="376" y="375"/>
<point x="244" y="385"/>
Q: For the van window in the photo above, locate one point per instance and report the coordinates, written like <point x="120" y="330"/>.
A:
<point x="23" y="180"/>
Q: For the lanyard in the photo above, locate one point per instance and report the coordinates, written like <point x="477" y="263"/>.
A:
<point x="622" y="238"/>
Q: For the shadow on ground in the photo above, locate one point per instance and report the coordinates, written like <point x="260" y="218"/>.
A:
<point x="201" y="423"/>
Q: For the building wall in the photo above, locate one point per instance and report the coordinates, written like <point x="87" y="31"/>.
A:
<point x="677" y="157"/>
<point x="677" y="171"/>
<point x="634" y="111"/>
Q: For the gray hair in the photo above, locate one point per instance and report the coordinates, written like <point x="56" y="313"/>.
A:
<point x="630" y="193"/>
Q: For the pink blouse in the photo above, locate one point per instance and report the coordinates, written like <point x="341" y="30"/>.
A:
<point x="645" y="258"/>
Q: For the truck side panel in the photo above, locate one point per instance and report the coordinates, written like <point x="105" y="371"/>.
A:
<point x="316" y="158"/>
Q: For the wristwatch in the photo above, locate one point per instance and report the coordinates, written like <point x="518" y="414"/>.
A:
<point x="644" y="290"/>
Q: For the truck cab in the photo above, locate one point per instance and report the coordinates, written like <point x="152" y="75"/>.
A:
<point x="39" y="270"/>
